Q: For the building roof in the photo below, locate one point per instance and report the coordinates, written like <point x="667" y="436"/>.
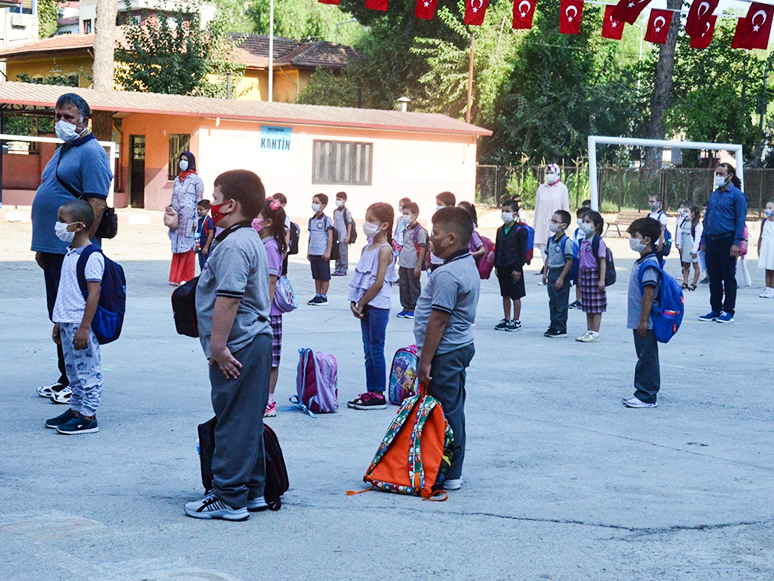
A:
<point x="69" y="21"/>
<point x="62" y="43"/>
<point x="36" y="95"/>
<point x="254" y="50"/>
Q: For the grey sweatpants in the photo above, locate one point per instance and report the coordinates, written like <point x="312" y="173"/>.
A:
<point x="84" y="370"/>
<point x="238" y="463"/>
<point x="448" y="371"/>
<point x="343" y="262"/>
<point x="410" y="288"/>
<point x="647" y="372"/>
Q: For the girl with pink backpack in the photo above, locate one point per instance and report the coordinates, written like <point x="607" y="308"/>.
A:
<point x="370" y="297"/>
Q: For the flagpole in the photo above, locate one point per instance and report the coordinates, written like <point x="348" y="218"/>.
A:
<point x="470" y="77"/>
<point x="271" y="51"/>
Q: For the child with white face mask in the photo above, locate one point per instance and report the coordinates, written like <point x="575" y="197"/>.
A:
<point x="591" y="275"/>
<point x="370" y="296"/>
<point x="510" y="258"/>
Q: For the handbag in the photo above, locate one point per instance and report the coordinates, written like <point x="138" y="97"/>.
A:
<point x="171" y="218"/>
<point x="284" y="297"/>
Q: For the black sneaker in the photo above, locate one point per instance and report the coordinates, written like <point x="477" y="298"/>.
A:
<point x="575" y="305"/>
<point x="369" y="400"/>
<point x="502" y="325"/>
<point x="79" y="425"/>
<point x="321" y="300"/>
<point x="513" y="326"/>
<point x="554" y="333"/>
<point x="53" y="423"/>
<point x="313" y="301"/>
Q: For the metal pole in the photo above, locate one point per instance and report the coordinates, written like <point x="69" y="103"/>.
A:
<point x="228" y="85"/>
<point x="470" y="78"/>
<point x="593" y="173"/>
<point x="271" y="51"/>
<point x="740" y="167"/>
<point x="2" y="130"/>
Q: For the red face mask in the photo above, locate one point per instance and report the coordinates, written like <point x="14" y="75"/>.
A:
<point x="215" y="212"/>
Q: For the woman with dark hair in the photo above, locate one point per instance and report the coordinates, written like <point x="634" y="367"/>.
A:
<point x="187" y="191"/>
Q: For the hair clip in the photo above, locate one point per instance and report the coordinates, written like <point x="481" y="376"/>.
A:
<point x="275" y="205"/>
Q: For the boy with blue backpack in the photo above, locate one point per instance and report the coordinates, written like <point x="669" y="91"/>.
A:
<point x="81" y="321"/>
<point x="655" y="311"/>
<point x="560" y="254"/>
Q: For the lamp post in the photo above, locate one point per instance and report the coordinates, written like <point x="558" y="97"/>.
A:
<point x="271" y="51"/>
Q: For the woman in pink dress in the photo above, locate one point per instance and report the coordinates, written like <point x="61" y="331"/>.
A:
<point x="551" y="196"/>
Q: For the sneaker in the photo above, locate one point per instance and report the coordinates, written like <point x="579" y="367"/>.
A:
<point x="574" y="305"/>
<point x="368" y="401"/>
<point x="78" y="425"/>
<point x="513" y="326"/>
<point x="725" y="317"/>
<point x="313" y="301"/>
<point x="553" y="333"/>
<point x="402" y="314"/>
<point x="502" y="325"/>
<point x="257" y="504"/>
<point x="705" y="280"/>
<point x="62" y="396"/>
<point x="766" y="294"/>
<point x="709" y="317"/>
<point x="588" y="337"/>
<point x="271" y="409"/>
<point x="410" y="315"/>
<point x="339" y="274"/>
<point x="211" y="507"/>
<point x="53" y="423"/>
<point x="454" y="484"/>
<point x="321" y="300"/>
<point x="50" y="390"/>
<point x="634" y="402"/>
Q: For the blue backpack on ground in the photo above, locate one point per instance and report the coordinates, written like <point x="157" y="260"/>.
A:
<point x="668" y="315"/>
<point x="111" y="308"/>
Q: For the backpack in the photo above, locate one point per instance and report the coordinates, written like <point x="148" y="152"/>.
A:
<point x="316" y="383"/>
<point x="486" y="261"/>
<point x="295" y="234"/>
<point x="403" y="374"/>
<point x="109" y="318"/>
<point x="417" y="247"/>
<point x="530" y="241"/>
<point x="667" y="247"/>
<point x="284" y="297"/>
<point x="610" y="276"/>
<point x="353" y="231"/>
<point x="671" y="308"/>
<point x="277" y="482"/>
<point x="572" y="276"/>
<point x="416" y="451"/>
<point x="184" y="308"/>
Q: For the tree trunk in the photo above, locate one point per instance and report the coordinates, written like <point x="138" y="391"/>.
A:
<point x="102" y="125"/>
<point x="662" y="88"/>
<point x="104" y="44"/>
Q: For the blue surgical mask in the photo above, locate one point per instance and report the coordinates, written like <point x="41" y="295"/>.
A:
<point x="769" y="213"/>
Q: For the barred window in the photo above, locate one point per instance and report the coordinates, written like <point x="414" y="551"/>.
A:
<point x="178" y="143"/>
<point x="342" y="163"/>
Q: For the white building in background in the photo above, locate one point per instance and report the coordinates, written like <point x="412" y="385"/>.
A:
<point x="68" y="21"/>
<point x="18" y="24"/>
<point x="87" y="13"/>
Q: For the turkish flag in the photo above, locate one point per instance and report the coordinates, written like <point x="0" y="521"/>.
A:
<point x="475" y="10"/>
<point x="377" y="5"/>
<point x="329" y="1"/>
<point x="425" y="9"/>
<point x="570" y="12"/>
<point x="704" y="39"/>
<point x="753" y="30"/>
<point x="523" y="12"/>
<point x="698" y="15"/>
<point x="612" y="28"/>
<point x="629" y="10"/>
<point x="658" y="26"/>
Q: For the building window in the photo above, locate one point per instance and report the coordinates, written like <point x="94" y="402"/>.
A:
<point x="177" y="145"/>
<point x="342" y="163"/>
<point x="87" y="27"/>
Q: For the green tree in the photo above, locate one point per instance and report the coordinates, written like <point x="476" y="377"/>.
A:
<point x="48" y="12"/>
<point x="303" y="19"/>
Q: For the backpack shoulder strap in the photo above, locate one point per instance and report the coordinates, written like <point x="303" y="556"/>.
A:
<point x="80" y="268"/>
<point x="648" y="265"/>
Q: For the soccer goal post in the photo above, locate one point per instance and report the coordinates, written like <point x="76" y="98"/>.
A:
<point x="736" y="148"/>
<point x="108" y="145"/>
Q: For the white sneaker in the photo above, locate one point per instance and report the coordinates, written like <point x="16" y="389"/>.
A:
<point x="211" y="507"/>
<point x="63" y="396"/>
<point x="51" y="390"/>
<point x="634" y="402"/>
<point x="768" y="293"/>
<point x="257" y="504"/>
<point x="454" y="484"/>
<point x="588" y="337"/>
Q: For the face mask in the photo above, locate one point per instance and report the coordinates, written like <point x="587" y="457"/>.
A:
<point x="370" y="230"/>
<point x="258" y="224"/>
<point x="636" y="245"/>
<point x="587" y="227"/>
<point x="654" y="206"/>
<point x="215" y="213"/>
<point x="340" y="203"/>
<point x="439" y="208"/>
<point x="720" y="181"/>
<point x="551" y="178"/>
<point x="62" y="233"/>
<point x="769" y="213"/>
<point x="554" y="227"/>
<point x="66" y="131"/>
<point x="683" y="213"/>
<point x="315" y="208"/>
<point x="183" y="164"/>
<point x="580" y="224"/>
<point x="507" y="217"/>
<point x="409" y="218"/>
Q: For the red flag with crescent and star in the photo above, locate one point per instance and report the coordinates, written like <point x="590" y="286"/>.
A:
<point x="698" y="15"/>
<point x="658" y="26"/>
<point x="329" y="1"/>
<point x="612" y="28"/>
<point x="570" y="12"/>
<point x="377" y="5"/>
<point x="523" y="12"/>
<point x="704" y="39"/>
<point x="629" y="10"/>
<point x="753" y="30"/>
<point x="475" y="10"/>
<point x="425" y="9"/>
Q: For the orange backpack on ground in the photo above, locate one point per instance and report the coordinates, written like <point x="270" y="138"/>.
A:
<point x="416" y="452"/>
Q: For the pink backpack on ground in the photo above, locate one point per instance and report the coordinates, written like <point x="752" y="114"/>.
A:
<point x="316" y="383"/>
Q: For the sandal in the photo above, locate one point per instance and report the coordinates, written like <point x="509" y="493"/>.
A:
<point x="692" y="287"/>
<point x="685" y="285"/>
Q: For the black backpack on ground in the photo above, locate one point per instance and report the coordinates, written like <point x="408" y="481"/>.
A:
<point x="184" y="308"/>
<point x="277" y="482"/>
<point x="610" y="276"/>
<point x="295" y="234"/>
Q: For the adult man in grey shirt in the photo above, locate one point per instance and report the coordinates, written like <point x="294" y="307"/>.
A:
<point x="81" y="166"/>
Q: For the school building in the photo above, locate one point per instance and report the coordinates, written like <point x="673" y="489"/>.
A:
<point x="300" y="150"/>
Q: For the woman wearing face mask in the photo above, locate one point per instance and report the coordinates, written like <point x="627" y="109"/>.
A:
<point x="551" y="196"/>
<point x="187" y="191"/>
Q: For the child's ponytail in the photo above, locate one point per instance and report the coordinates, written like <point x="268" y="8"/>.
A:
<point x="272" y="210"/>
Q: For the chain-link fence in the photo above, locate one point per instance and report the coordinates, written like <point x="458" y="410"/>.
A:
<point x="619" y="188"/>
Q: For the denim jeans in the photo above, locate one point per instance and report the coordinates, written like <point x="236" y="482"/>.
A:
<point x="374" y="326"/>
<point x="558" y="300"/>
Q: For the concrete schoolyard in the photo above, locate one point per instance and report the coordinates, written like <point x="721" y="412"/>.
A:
<point x="561" y="481"/>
